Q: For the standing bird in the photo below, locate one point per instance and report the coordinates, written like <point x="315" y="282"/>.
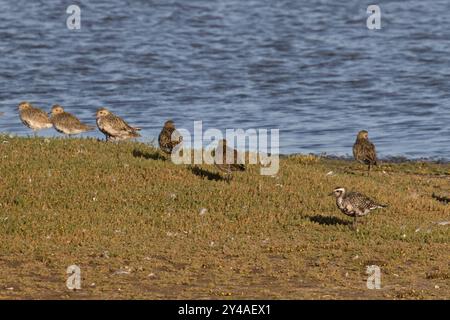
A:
<point x="220" y="159"/>
<point x="114" y="127"/>
<point x="67" y="123"/>
<point x="34" y="118"/>
<point x="364" y="150"/>
<point x="169" y="137"/>
<point x="354" y="204"/>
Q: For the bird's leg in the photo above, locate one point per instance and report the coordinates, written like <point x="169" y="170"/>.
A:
<point x="354" y="222"/>
<point x="118" y="151"/>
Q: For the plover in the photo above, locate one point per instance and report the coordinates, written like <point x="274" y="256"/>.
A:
<point x="220" y="159"/>
<point x="169" y="137"/>
<point x="67" y="123"/>
<point x="34" y="118"/>
<point x="364" y="150"/>
<point x="114" y="127"/>
<point x="354" y="204"/>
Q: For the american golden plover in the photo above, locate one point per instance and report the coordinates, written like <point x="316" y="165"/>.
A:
<point x="364" y="150"/>
<point x="34" y="118"/>
<point x="222" y="164"/>
<point x="67" y="123"/>
<point x="169" y="137"/>
<point x="354" y="204"/>
<point x="114" y="127"/>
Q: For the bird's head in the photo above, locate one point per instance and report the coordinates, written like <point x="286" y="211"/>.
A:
<point x="56" y="109"/>
<point x="338" y="192"/>
<point x="363" y="135"/>
<point x="169" y="124"/>
<point x="24" y="106"/>
<point x="102" y="112"/>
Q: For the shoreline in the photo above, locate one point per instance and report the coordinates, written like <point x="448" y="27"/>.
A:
<point x="347" y="158"/>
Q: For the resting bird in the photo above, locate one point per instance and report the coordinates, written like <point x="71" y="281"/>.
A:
<point x="169" y="137"/>
<point x="114" y="127"/>
<point x="354" y="204"/>
<point x="364" y="150"/>
<point x="67" y="123"/>
<point x="221" y="162"/>
<point x="34" y="118"/>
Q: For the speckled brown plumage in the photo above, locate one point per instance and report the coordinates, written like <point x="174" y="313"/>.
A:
<point x="67" y="123"/>
<point x="34" y="118"/>
<point x="114" y="127"/>
<point x="169" y="137"/>
<point x="364" y="150"/>
<point x="354" y="204"/>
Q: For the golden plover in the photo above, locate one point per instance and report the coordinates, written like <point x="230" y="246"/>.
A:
<point x="34" y="118"/>
<point x="114" y="127"/>
<point x="354" y="204"/>
<point x="67" y="123"/>
<point x="222" y="164"/>
<point x="364" y="150"/>
<point x="169" y="137"/>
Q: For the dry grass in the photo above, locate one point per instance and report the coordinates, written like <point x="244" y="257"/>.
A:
<point x="110" y="208"/>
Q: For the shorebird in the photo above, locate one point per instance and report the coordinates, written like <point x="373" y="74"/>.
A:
<point x="169" y="137"/>
<point x="34" y="118"/>
<point x="220" y="160"/>
<point x="364" y="150"/>
<point x="67" y="123"/>
<point x="354" y="204"/>
<point x="114" y="127"/>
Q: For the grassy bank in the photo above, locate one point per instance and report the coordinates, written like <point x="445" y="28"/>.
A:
<point x="141" y="227"/>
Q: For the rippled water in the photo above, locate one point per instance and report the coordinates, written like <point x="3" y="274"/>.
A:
<point x="310" y="68"/>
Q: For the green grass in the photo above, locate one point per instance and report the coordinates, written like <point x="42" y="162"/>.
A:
<point x="119" y="207"/>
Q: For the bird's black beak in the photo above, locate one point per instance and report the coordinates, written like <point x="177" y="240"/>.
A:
<point x="331" y="194"/>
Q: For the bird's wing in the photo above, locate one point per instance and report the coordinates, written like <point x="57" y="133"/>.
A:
<point x="39" y="115"/>
<point x="164" y="140"/>
<point x="115" y="125"/>
<point x="364" y="151"/>
<point x="68" y="119"/>
<point x="371" y="153"/>
<point x="363" y="201"/>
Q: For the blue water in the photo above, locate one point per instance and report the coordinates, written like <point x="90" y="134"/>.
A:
<point x="309" y="68"/>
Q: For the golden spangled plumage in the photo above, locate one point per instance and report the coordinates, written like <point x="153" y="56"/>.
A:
<point x="364" y="150"/>
<point x="222" y="164"/>
<point x="114" y="127"/>
<point x="34" y="118"/>
<point x="169" y="137"/>
<point x="67" y="123"/>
